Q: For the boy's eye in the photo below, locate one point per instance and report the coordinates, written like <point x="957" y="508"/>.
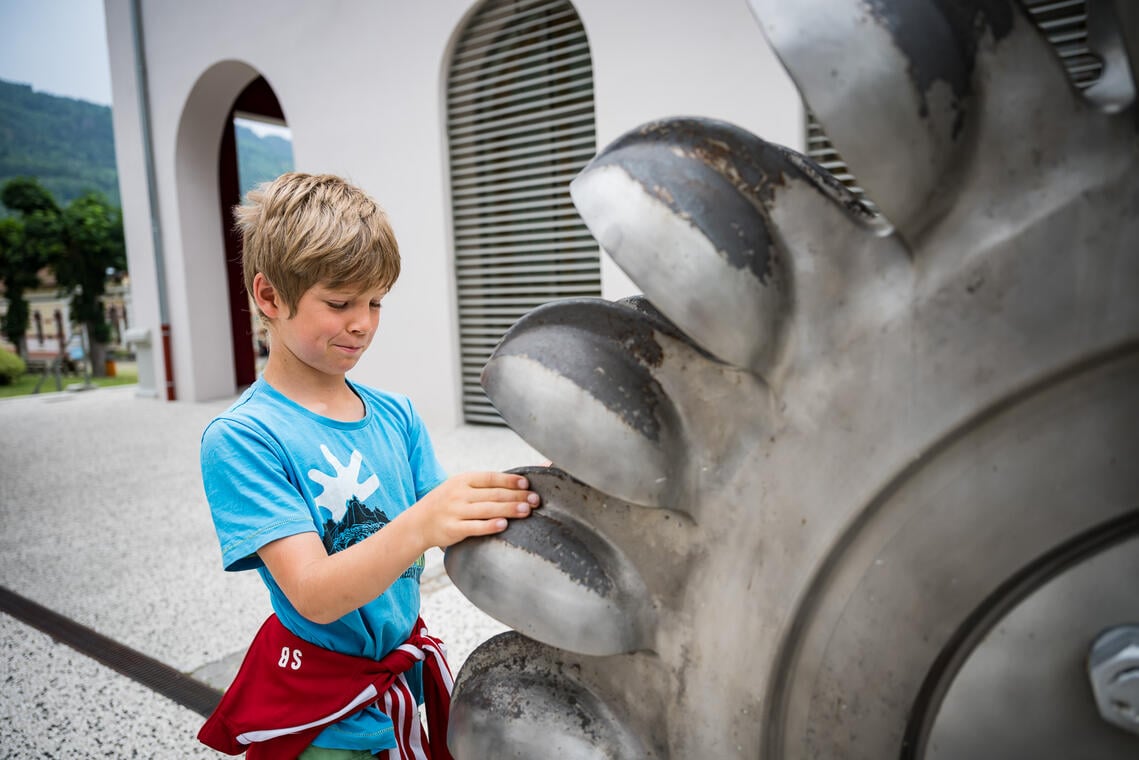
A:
<point x="376" y="304"/>
<point x="337" y="304"/>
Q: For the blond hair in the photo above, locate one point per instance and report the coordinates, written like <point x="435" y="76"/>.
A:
<point x="301" y="230"/>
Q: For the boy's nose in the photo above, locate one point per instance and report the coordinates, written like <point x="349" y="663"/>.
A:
<point x="358" y="322"/>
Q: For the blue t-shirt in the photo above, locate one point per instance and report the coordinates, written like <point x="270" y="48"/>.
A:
<point x="272" y="468"/>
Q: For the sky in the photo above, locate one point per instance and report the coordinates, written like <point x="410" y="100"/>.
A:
<point x="60" y="47"/>
<point x="56" y="46"/>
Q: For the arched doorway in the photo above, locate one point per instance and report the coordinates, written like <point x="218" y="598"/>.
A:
<point x="256" y="101"/>
<point x="211" y="327"/>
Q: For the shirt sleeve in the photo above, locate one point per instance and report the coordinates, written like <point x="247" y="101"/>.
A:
<point x="251" y="497"/>
<point x="425" y="466"/>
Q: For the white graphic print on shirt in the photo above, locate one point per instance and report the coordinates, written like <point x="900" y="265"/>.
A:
<point x="350" y="518"/>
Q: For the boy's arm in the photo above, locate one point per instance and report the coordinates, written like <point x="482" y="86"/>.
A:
<point x="325" y="587"/>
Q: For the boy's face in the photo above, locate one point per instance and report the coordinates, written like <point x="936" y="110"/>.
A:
<point x="330" y="329"/>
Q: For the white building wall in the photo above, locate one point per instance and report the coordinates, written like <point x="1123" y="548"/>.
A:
<point x="130" y="157"/>
<point x="362" y="85"/>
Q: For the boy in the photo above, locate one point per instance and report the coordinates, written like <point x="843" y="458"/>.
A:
<point x="329" y="489"/>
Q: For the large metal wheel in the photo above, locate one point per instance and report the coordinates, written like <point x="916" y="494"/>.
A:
<point x="842" y="484"/>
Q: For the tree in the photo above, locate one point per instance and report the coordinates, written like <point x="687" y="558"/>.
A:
<point x="18" y="267"/>
<point x="27" y="196"/>
<point x="92" y="248"/>
<point x="25" y="246"/>
<point x="81" y="243"/>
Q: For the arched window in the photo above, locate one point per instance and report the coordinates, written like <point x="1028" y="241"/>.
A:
<point x="520" y="127"/>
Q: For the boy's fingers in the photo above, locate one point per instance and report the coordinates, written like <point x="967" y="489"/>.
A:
<point x="483" y="527"/>
<point x="494" y="526"/>
<point x="487" y="510"/>
<point x="502" y="494"/>
<point x="496" y="480"/>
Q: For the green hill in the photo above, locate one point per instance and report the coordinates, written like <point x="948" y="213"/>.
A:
<point x="69" y="146"/>
<point x="66" y="144"/>
<point x="260" y="159"/>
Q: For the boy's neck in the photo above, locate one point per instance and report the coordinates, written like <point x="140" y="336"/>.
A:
<point x="324" y="394"/>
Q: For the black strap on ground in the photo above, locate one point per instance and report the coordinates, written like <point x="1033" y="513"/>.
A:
<point x="149" y="672"/>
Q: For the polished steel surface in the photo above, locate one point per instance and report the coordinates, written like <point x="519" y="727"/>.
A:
<point x="837" y="473"/>
<point x="1030" y="670"/>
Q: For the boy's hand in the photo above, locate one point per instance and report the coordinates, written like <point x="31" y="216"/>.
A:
<point x="472" y="504"/>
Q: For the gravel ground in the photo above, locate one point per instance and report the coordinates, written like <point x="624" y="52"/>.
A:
<point x="103" y="520"/>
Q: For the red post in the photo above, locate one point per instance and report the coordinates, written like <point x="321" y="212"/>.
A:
<point x="169" y="362"/>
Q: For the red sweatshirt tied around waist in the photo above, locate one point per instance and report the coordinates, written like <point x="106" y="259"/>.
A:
<point x="288" y="690"/>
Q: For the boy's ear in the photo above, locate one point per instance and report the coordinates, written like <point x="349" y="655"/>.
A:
<point x="267" y="298"/>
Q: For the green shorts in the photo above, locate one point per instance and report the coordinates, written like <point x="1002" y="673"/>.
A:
<point x="323" y="753"/>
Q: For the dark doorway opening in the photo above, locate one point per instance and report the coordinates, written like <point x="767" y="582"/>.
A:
<point x="258" y="102"/>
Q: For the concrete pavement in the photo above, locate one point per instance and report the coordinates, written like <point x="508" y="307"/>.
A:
<point x="103" y="520"/>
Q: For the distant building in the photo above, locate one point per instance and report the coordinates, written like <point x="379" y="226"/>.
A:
<point x="50" y="326"/>
<point x="466" y="120"/>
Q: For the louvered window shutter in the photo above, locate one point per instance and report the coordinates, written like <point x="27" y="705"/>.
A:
<point x="820" y="149"/>
<point x="1065" y="24"/>
<point x="520" y="127"/>
<point x="1062" y="22"/>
